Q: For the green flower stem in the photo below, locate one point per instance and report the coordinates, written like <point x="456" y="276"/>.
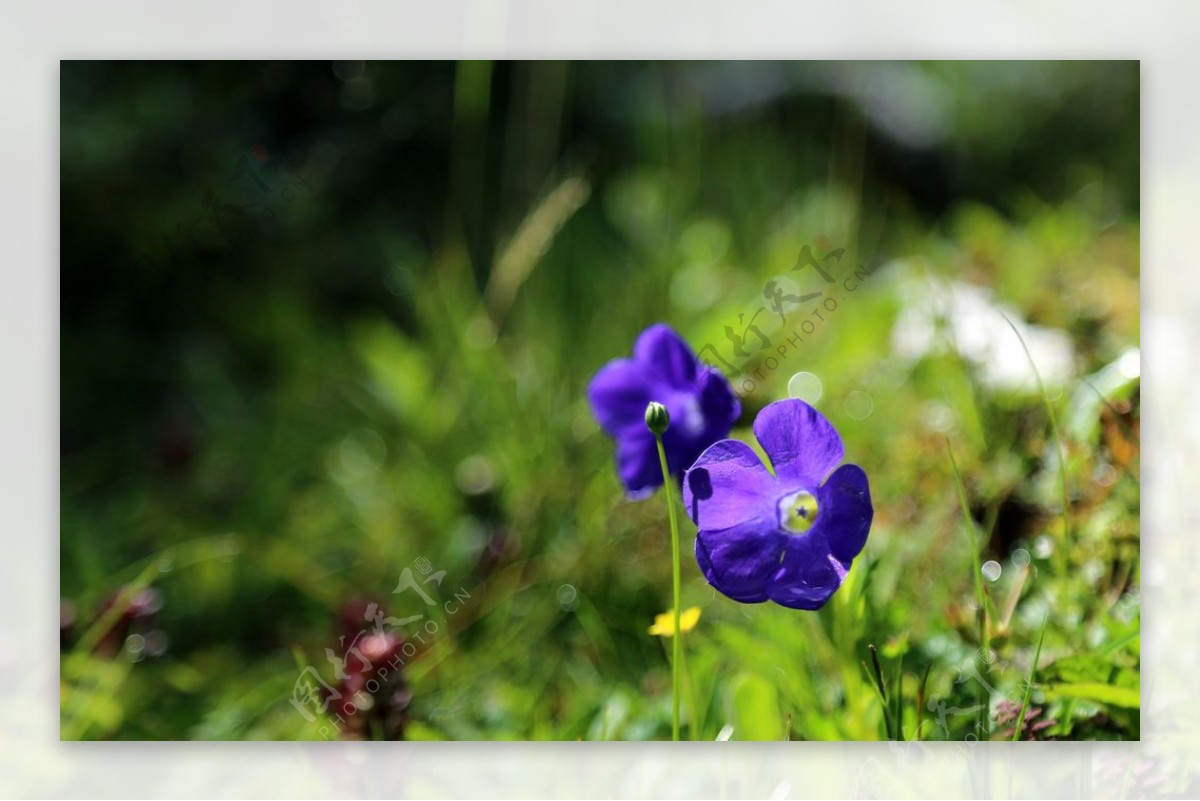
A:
<point x="689" y="686"/>
<point x="677" y="640"/>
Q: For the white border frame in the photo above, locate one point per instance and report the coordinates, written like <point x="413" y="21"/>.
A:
<point x="36" y="35"/>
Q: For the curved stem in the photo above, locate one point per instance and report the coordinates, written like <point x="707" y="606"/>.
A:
<point x="677" y="640"/>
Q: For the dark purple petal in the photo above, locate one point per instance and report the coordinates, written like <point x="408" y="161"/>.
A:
<point x="662" y="351"/>
<point x="729" y="487"/>
<point x="702" y="405"/>
<point x="740" y="561"/>
<point x="719" y="402"/>
<point x="700" y="416"/>
<point x="619" y="394"/>
<point x="637" y="462"/>
<point x="803" y="446"/>
<point x="845" y="511"/>
<point x="808" y="575"/>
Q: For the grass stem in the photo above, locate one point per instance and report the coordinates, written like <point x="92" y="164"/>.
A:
<point x="981" y="659"/>
<point x="1037" y="654"/>
<point x="1060" y="445"/>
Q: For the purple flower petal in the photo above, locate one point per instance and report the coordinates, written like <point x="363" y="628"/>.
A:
<point x="740" y="561"/>
<point x="721" y="406"/>
<point x="619" y="394"/>
<point x="729" y="487"/>
<point x="845" y="512"/>
<point x="660" y="350"/>
<point x="637" y="462"/>
<point x="803" y="446"/>
<point x="701" y="403"/>
<point x="727" y="493"/>
<point x="745" y="548"/>
<point x="808" y="575"/>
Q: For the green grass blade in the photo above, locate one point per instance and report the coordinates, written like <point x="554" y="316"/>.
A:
<point x="1037" y="654"/>
<point x="1058" y="439"/>
<point x="980" y="593"/>
<point x="876" y="672"/>
<point x="969" y="522"/>
<point x="920" y="716"/>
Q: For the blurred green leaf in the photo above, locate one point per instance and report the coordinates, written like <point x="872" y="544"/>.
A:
<point x="756" y="712"/>
<point x="1128" y="697"/>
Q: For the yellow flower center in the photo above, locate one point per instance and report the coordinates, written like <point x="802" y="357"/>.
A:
<point x="797" y="512"/>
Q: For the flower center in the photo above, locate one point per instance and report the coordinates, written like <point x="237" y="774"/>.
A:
<point x="797" y="512"/>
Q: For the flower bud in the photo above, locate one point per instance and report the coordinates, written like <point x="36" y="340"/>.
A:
<point x="657" y="418"/>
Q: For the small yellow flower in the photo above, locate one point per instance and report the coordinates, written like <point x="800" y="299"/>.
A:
<point x="664" y="624"/>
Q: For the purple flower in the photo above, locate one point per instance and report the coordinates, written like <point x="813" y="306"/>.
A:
<point x="700" y="401"/>
<point x="788" y="537"/>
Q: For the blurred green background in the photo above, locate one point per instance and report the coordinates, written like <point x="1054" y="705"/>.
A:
<point x="323" y="324"/>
